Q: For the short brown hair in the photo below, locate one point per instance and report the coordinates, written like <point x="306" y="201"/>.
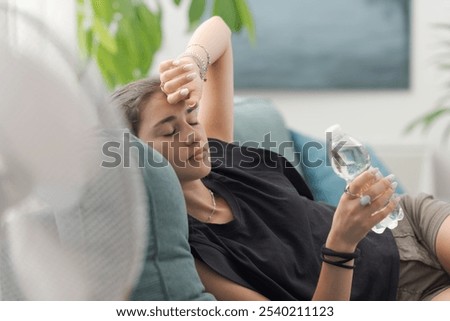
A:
<point x="130" y="99"/>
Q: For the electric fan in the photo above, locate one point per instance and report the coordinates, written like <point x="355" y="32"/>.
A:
<point x="72" y="227"/>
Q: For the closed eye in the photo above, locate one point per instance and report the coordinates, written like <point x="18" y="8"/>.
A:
<point x="171" y="134"/>
<point x="175" y="130"/>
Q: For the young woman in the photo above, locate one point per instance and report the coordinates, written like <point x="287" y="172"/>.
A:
<point x="255" y="232"/>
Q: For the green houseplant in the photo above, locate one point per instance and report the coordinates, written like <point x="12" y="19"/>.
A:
<point x="122" y="36"/>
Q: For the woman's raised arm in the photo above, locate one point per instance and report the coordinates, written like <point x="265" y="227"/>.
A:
<point x="209" y="53"/>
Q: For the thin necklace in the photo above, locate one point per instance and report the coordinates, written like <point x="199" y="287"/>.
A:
<point x="213" y="199"/>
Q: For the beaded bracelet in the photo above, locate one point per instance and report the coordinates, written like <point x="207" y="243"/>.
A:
<point x="346" y="257"/>
<point x="199" y="61"/>
<point x="208" y="56"/>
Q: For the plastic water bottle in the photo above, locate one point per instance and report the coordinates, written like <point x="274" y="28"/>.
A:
<point x="349" y="158"/>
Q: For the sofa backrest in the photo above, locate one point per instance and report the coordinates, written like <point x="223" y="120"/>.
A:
<point x="258" y="123"/>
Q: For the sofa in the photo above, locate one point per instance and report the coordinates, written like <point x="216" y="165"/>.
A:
<point x="169" y="272"/>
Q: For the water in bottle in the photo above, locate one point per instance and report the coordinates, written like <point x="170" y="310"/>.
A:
<point x="349" y="158"/>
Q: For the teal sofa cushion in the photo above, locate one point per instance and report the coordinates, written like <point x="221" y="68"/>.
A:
<point x="258" y="123"/>
<point x="169" y="272"/>
<point x="325" y="185"/>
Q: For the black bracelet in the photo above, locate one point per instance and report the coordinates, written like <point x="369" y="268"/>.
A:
<point x="346" y="257"/>
<point x="343" y="255"/>
<point x="339" y="263"/>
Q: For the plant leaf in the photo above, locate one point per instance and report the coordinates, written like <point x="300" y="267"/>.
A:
<point x="84" y="32"/>
<point x="137" y="38"/>
<point x="150" y="35"/>
<point x="229" y="13"/>
<point x="432" y="117"/>
<point x="150" y="24"/>
<point x="103" y="9"/>
<point x="85" y="42"/>
<point x="104" y="36"/>
<point x="177" y="2"/>
<point x="427" y="119"/>
<point x="106" y="65"/>
<point x="444" y="66"/>
<point x="247" y="18"/>
<point x="196" y="10"/>
<point x="125" y="7"/>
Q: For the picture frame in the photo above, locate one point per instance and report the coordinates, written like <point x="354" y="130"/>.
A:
<point x="325" y="45"/>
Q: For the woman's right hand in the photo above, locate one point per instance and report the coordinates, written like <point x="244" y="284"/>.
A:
<point x="352" y="221"/>
<point x="180" y="80"/>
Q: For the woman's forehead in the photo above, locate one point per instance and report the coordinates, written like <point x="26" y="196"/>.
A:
<point x="157" y="108"/>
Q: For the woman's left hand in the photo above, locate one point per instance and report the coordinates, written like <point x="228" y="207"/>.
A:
<point x="367" y="202"/>
<point x="180" y="80"/>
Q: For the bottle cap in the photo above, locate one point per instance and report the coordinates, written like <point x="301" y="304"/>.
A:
<point x="336" y="132"/>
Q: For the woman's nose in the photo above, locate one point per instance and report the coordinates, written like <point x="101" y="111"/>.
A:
<point x="192" y="137"/>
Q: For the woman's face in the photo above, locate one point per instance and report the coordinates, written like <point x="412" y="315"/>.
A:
<point x="174" y="131"/>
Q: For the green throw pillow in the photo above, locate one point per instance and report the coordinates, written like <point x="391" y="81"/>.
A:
<point x="169" y="272"/>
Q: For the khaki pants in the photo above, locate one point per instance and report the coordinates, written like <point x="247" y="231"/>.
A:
<point x="421" y="275"/>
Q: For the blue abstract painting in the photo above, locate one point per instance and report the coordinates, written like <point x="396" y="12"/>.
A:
<point x="325" y="45"/>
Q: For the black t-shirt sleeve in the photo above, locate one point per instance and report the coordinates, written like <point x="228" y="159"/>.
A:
<point x="204" y="247"/>
<point x="295" y="178"/>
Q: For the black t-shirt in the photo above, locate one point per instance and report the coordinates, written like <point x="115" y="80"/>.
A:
<point x="273" y="245"/>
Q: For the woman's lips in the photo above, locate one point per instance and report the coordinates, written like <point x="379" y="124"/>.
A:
<point x="199" y="154"/>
